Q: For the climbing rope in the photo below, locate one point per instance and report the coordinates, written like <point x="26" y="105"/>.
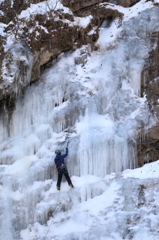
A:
<point x="52" y="213"/>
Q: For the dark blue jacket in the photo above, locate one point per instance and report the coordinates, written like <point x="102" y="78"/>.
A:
<point x="59" y="159"/>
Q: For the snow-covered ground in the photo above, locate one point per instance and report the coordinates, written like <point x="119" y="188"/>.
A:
<point x="119" y="206"/>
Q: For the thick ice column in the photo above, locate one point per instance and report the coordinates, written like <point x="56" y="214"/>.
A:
<point x="101" y="151"/>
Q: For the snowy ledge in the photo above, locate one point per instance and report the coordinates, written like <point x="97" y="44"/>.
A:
<point x="149" y="170"/>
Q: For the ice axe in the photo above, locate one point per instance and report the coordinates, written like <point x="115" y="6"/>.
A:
<point x="67" y="143"/>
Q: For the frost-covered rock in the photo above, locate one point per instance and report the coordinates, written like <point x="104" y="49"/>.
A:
<point x="148" y="141"/>
<point x="75" y="6"/>
<point x="84" y="53"/>
<point x="46" y="30"/>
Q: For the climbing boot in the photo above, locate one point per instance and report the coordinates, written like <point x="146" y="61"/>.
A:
<point x="58" y="188"/>
<point x="71" y="186"/>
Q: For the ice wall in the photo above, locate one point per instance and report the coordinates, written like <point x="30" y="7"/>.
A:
<point x="97" y="103"/>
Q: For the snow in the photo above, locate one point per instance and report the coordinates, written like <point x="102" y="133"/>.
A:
<point x="1" y="13"/>
<point x="2" y="27"/>
<point x="43" y="8"/>
<point x="150" y="170"/>
<point x="98" y="203"/>
<point x="108" y="35"/>
<point x="83" y="22"/>
<point x="106" y="210"/>
<point x="131" y="12"/>
<point x="21" y="165"/>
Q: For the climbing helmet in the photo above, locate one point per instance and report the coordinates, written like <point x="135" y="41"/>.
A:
<point x="58" y="152"/>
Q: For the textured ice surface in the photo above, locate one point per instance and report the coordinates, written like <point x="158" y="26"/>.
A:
<point x="110" y="208"/>
<point x="97" y="104"/>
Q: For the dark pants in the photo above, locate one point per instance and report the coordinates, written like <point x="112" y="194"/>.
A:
<point x="62" y="171"/>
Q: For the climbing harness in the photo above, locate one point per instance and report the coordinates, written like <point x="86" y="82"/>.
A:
<point x="52" y="213"/>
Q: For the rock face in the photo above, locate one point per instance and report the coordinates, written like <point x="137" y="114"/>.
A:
<point x="40" y="43"/>
<point x="148" y="143"/>
<point x="48" y="38"/>
<point x="75" y="6"/>
<point x="11" y="9"/>
<point x="99" y="12"/>
<point x="39" y="50"/>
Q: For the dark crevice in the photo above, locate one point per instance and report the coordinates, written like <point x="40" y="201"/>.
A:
<point x="131" y="5"/>
<point x="106" y="22"/>
<point x="52" y="61"/>
<point x="84" y="8"/>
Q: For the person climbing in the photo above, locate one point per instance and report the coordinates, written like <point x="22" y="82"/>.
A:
<point x="61" y="168"/>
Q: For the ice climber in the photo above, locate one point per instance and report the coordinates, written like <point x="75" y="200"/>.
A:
<point x="61" y="168"/>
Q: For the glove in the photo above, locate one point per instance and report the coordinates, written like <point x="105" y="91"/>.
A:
<point x="66" y="148"/>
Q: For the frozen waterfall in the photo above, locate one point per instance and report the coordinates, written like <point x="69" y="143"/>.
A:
<point x="96" y="104"/>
